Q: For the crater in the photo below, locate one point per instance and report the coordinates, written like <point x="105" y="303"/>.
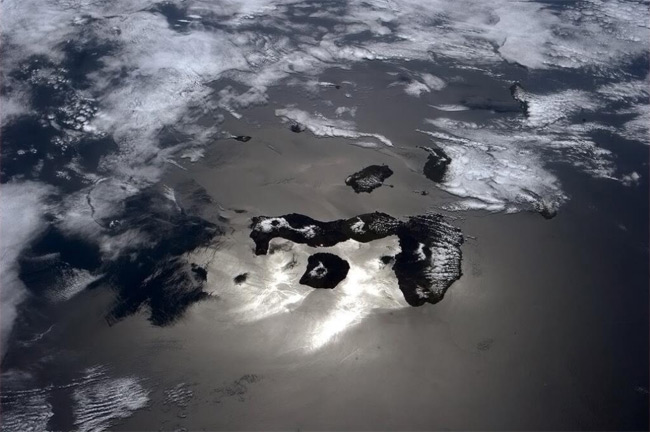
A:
<point x="324" y="270"/>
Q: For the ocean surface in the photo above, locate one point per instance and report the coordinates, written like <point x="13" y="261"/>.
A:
<point x="168" y="169"/>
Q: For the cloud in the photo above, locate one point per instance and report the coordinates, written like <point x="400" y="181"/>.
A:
<point x="153" y="76"/>
<point x="324" y="127"/>
<point x="99" y="399"/>
<point x="22" y="210"/>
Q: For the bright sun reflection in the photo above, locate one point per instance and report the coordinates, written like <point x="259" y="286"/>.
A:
<point x="278" y="293"/>
<point x="364" y="289"/>
<point x="272" y="289"/>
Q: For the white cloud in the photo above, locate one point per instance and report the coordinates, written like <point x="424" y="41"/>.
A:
<point x="159" y="77"/>
<point x="22" y="207"/>
<point x="324" y="127"/>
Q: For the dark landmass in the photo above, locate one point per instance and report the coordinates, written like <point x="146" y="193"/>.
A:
<point x="200" y="272"/>
<point x="297" y="127"/>
<point x="547" y="211"/>
<point x="240" y="278"/>
<point x="324" y="270"/>
<point x="242" y="138"/>
<point x="430" y="258"/>
<point x="427" y="265"/>
<point x="520" y="95"/>
<point x="303" y="229"/>
<point x="436" y="166"/>
<point x="369" y="178"/>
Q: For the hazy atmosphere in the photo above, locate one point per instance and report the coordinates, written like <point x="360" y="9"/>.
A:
<point x="324" y="215"/>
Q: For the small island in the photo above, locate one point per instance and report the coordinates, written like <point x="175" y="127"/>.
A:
<point x="369" y="178"/>
<point x="324" y="270"/>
